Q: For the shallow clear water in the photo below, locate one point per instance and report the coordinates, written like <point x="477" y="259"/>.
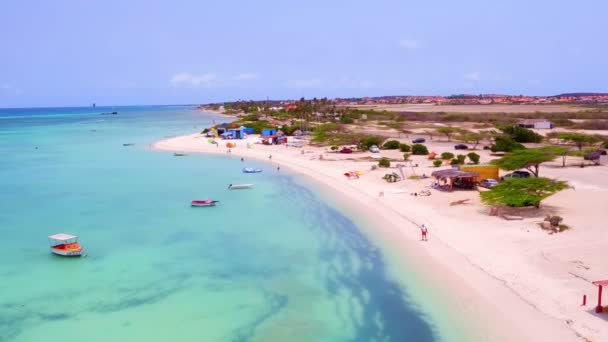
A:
<point x="274" y="263"/>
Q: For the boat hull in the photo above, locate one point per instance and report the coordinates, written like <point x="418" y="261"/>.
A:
<point x="240" y="187"/>
<point x="67" y="253"/>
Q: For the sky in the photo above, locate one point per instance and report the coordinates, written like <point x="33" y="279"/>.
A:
<point x="121" y="52"/>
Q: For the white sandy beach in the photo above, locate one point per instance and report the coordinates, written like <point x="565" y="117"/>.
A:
<point x="510" y="277"/>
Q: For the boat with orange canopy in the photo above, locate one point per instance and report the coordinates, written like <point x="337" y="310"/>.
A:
<point x="66" y="245"/>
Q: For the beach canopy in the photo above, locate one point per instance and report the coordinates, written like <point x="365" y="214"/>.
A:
<point x="452" y="173"/>
<point x="62" y="237"/>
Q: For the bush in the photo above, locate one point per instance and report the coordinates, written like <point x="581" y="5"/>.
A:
<point x="365" y="143"/>
<point x="473" y="157"/>
<point x="505" y="143"/>
<point x="461" y="158"/>
<point x="520" y="134"/>
<point x="437" y="163"/>
<point x="384" y="162"/>
<point x="555" y="221"/>
<point x="404" y="147"/>
<point x="334" y="148"/>
<point x="406" y="156"/>
<point x="455" y="161"/>
<point x="447" y="155"/>
<point x="392" y="145"/>
<point x="346" y="120"/>
<point x="419" y="149"/>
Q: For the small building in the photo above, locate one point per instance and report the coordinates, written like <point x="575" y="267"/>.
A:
<point x="536" y="124"/>
<point x="485" y="171"/>
<point x="269" y="131"/>
<point x="234" y="133"/>
<point x="452" y="178"/>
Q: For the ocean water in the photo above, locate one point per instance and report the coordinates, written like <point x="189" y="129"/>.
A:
<point x="274" y="263"/>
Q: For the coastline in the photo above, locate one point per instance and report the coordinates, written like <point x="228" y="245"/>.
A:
<point x="464" y="286"/>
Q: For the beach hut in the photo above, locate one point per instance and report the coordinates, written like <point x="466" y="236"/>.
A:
<point x="453" y="178"/>
<point x="600" y="284"/>
<point x="269" y="132"/>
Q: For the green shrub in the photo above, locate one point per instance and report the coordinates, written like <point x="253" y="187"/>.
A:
<point x="447" y="155"/>
<point x="419" y="149"/>
<point x="473" y="157"/>
<point x="366" y="142"/>
<point x="505" y="143"/>
<point x="520" y="134"/>
<point x="437" y="163"/>
<point x="404" y="147"/>
<point x="392" y="145"/>
<point x="334" y="148"/>
<point x="346" y="120"/>
<point x="384" y="162"/>
<point x="406" y="156"/>
<point x="455" y="161"/>
<point x="461" y="158"/>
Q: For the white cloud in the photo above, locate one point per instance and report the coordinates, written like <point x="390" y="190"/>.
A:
<point x="410" y="44"/>
<point x="474" y="76"/>
<point x="195" y="81"/>
<point x="247" y="76"/>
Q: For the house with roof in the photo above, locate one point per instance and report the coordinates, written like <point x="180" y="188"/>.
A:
<point x="536" y="124"/>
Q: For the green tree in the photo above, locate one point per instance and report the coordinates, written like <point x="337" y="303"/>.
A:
<point x="504" y="143"/>
<point x="520" y="134"/>
<point x="437" y="163"/>
<point x="522" y="192"/>
<point x="473" y="157"/>
<point x="447" y="131"/>
<point x="404" y="147"/>
<point x="447" y="155"/>
<point x="578" y="139"/>
<point x="472" y="137"/>
<point x="419" y="149"/>
<point x="455" y="162"/>
<point x="406" y="156"/>
<point x="391" y="145"/>
<point x="461" y="158"/>
<point x="529" y="159"/>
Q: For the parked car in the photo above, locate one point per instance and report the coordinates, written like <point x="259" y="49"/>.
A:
<point x="461" y="147"/>
<point x="374" y="149"/>
<point x="418" y="141"/>
<point x="488" y="183"/>
<point x="517" y="174"/>
<point x="346" y="150"/>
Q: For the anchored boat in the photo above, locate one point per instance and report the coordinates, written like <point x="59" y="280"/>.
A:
<point x="66" y="245"/>
<point x="203" y="203"/>
<point x="251" y="170"/>
<point x="240" y="186"/>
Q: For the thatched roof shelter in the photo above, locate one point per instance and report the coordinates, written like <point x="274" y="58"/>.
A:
<point x="452" y="174"/>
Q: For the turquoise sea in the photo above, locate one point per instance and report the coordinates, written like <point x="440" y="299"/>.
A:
<point x="274" y="263"/>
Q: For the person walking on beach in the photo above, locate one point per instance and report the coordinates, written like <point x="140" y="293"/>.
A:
<point x="270" y="157"/>
<point x="278" y="168"/>
<point x="424" y="230"/>
<point x="242" y="159"/>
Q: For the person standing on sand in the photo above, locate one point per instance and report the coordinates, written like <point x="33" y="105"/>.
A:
<point x="270" y="157"/>
<point x="278" y="168"/>
<point x="242" y="159"/>
<point x="424" y="230"/>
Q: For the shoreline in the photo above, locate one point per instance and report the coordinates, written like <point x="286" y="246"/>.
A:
<point x="473" y="291"/>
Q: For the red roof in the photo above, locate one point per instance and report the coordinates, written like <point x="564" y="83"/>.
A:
<point x="601" y="283"/>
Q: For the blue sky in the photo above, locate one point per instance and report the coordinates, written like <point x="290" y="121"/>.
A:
<point x="60" y="53"/>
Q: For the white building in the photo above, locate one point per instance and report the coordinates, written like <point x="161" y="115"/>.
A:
<point x="536" y="124"/>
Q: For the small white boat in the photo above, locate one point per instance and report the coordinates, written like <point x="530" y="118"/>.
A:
<point x="240" y="186"/>
<point x="177" y="154"/>
<point x="203" y="203"/>
<point x="251" y="170"/>
<point x="66" y="245"/>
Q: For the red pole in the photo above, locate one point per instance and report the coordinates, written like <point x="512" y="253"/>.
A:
<point x="599" y="299"/>
<point x="584" y="300"/>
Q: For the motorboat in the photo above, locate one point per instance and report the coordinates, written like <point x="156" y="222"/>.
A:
<point x="240" y="186"/>
<point x="251" y="170"/>
<point x="128" y="144"/>
<point x="176" y="154"/>
<point x="203" y="203"/>
<point x="66" y="245"/>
